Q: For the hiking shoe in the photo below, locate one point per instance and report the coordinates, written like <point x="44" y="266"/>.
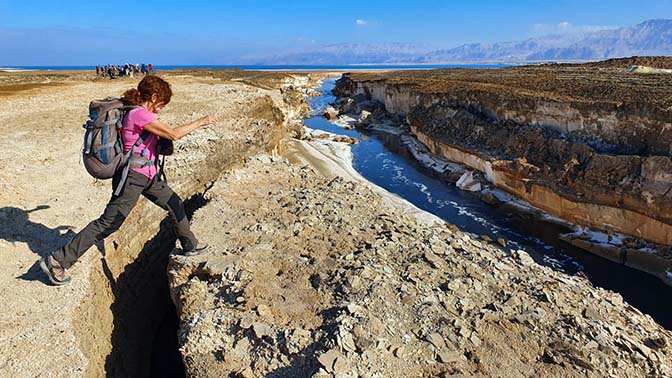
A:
<point x="57" y="274"/>
<point x="200" y="248"/>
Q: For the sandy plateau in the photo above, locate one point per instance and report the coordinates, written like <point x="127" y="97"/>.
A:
<point x="103" y="323"/>
<point x="311" y="273"/>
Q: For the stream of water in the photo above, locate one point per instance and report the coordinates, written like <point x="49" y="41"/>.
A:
<point x="384" y="160"/>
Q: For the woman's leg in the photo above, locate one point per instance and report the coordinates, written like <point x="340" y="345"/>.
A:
<point x="162" y="195"/>
<point x="112" y="218"/>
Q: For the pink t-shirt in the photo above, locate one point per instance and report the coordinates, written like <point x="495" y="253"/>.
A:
<point x="134" y="124"/>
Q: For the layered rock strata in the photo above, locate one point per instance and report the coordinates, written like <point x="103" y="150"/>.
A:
<point x="588" y="145"/>
<point x="310" y="276"/>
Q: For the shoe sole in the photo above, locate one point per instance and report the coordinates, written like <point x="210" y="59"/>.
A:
<point x="45" y="269"/>
<point x="195" y="253"/>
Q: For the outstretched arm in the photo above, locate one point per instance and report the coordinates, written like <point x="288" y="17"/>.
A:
<point x="164" y="131"/>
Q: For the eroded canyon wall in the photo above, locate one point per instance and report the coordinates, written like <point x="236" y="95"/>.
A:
<point x="595" y="159"/>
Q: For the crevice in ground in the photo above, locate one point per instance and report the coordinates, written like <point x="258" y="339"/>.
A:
<point x="144" y="338"/>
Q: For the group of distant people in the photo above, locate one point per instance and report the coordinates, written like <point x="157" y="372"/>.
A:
<point x="128" y="70"/>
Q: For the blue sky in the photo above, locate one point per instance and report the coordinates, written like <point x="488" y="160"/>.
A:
<point x="75" y="32"/>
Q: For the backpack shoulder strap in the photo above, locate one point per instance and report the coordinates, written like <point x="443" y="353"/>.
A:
<point x="127" y="109"/>
<point x="127" y="168"/>
<point x="141" y="139"/>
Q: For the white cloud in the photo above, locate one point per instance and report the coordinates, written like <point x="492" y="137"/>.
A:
<point x="306" y="40"/>
<point x="361" y="22"/>
<point x="566" y="28"/>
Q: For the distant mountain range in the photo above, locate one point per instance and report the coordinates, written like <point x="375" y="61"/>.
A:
<point x="649" y="38"/>
<point x="351" y="53"/>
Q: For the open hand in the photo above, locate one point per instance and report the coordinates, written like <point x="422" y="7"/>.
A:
<point x="208" y="120"/>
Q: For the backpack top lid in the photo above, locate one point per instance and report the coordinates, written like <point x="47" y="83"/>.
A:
<point x="97" y="108"/>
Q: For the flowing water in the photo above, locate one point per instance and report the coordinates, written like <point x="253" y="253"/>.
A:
<point x="384" y="160"/>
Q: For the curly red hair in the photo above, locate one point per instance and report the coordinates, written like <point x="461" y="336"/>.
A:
<point x="146" y="88"/>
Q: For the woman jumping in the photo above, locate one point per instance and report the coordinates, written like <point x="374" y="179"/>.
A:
<point x="152" y="94"/>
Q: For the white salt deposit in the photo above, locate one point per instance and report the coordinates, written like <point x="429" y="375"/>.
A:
<point x="344" y="121"/>
<point x="598" y="238"/>
<point x="335" y="158"/>
<point x="422" y="155"/>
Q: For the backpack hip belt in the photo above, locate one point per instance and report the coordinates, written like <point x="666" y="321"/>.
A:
<point x="137" y="161"/>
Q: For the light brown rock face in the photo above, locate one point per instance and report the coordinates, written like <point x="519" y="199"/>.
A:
<point x="588" y="145"/>
<point x="316" y="277"/>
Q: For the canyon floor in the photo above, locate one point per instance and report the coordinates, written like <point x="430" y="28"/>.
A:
<point x="309" y="274"/>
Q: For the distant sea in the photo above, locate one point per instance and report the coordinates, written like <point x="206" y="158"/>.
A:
<point x="352" y="67"/>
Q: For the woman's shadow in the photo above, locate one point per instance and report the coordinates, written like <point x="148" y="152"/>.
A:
<point x="15" y="226"/>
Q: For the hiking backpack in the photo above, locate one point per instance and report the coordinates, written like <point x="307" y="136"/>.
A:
<point x="103" y="149"/>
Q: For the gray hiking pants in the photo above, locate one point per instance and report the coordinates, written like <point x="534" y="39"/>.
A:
<point x="118" y="209"/>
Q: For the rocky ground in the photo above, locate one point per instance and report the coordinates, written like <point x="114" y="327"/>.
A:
<point x="313" y="276"/>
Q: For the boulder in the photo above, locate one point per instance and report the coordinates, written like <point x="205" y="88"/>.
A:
<point x="468" y="183"/>
<point x="365" y="119"/>
<point x="330" y="113"/>
<point x="345" y="139"/>
<point x="329" y="359"/>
